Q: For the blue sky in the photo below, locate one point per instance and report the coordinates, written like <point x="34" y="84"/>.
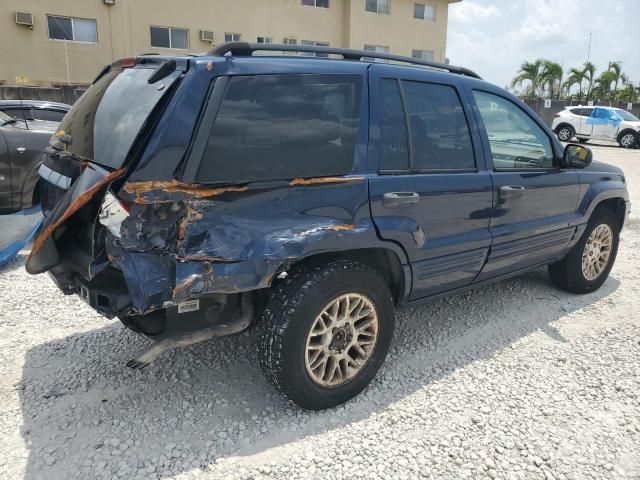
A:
<point x="493" y="37"/>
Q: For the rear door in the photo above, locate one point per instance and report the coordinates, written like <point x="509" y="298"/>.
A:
<point x="432" y="194"/>
<point x="6" y="198"/>
<point x="535" y="202"/>
<point x="584" y="127"/>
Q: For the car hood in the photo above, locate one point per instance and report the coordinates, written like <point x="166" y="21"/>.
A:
<point x="597" y="166"/>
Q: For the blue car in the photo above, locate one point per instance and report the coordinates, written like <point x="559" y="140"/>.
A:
<point x="196" y="197"/>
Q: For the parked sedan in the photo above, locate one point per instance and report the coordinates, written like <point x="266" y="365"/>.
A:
<point x="31" y="110"/>
<point x="21" y="148"/>
<point x="599" y="123"/>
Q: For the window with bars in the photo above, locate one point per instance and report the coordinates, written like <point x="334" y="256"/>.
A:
<point x="264" y="39"/>
<point x="422" y="54"/>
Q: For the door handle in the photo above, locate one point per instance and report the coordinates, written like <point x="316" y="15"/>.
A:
<point x="396" y="199"/>
<point x="511" y="191"/>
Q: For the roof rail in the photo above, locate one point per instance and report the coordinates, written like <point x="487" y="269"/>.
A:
<point x="245" y="49"/>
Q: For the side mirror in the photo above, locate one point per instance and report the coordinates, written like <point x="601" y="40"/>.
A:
<point x="577" y="156"/>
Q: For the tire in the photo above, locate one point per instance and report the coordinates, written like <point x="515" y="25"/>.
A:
<point x="569" y="274"/>
<point x="565" y="133"/>
<point x="628" y="140"/>
<point x="293" y="310"/>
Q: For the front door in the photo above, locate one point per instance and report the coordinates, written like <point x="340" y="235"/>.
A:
<point x="535" y="202"/>
<point x="604" y="123"/>
<point x="6" y="197"/>
<point x="433" y="195"/>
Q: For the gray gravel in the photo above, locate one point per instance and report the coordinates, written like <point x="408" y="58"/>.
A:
<point x="515" y="380"/>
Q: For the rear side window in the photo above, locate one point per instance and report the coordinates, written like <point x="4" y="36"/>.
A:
<point x="576" y="111"/>
<point x="46" y="114"/>
<point x="19" y="112"/>
<point x="273" y="127"/>
<point x="440" y="138"/>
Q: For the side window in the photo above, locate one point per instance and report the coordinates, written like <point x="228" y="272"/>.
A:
<point x="586" y="112"/>
<point x="516" y="140"/>
<point x="601" y="113"/>
<point x="51" y="115"/>
<point x="273" y="127"/>
<point x="576" y="111"/>
<point x="394" y="152"/>
<point x="440" y="138"/>
<point x="21" y="113"/>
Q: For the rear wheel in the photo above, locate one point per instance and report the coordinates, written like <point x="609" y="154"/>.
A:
<point x="587" y="265"/>
<point x="325" y="332"/>
<point x="628" y="140"/>
<point x="565" y="133"/>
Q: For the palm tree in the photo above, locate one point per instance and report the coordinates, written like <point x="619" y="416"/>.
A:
<point x="551" y="76"/>
<point x="603" y="83"/>
<point x="576" y="77"/>
<point x="589" y="72"/>
<point x="531" y="72"/>
<point x="616" y="68"/>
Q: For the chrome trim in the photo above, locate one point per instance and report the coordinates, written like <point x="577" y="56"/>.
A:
<point x="51" y="176"/>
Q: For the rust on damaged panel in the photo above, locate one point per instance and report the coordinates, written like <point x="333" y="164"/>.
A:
<point x="335" y="228"/>
<point x="323" y="180"/>
<point x="76" y="205"/>
<point x="174" y="186"/>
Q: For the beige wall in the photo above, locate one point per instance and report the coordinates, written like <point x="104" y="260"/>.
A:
<point x="123" y="30"/>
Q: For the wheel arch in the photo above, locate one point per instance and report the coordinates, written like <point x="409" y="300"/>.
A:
<point x="565" y="124"/>
<point x="617" y="205"/>
<point x="383" y="260"/>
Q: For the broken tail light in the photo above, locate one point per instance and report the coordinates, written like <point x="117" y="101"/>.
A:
<point x="112" y="213"/>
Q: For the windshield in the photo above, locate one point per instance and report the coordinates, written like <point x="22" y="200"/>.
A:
<point x="628" y="116"/>
<point x="104" y="123"/>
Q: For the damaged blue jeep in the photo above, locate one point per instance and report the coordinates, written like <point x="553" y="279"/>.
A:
<point x="196" y="197"/>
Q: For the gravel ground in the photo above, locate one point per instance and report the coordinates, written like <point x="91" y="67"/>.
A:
<point x="515" y="380"/>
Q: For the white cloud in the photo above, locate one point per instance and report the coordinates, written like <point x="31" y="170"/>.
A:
<point x="469" y="11"/>
<point x="493" y="37"/>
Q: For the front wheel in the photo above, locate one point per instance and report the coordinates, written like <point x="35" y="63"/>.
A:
<point x="587" y="265"/>
<point x="325" y="332"/>
<point x="628" y="140"/>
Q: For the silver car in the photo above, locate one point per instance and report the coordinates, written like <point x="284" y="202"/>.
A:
<point x="599" y="123"/>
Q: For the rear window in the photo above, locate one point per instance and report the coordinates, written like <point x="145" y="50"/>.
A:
<point x="273" y="127"/>
<point x="47" y="114"/>
<point x="105" y="121"/>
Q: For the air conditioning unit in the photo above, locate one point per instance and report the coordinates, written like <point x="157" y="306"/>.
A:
<point x="109" y="2"/>
<point x="206" y="36"/>
<point x="24" y="18"/>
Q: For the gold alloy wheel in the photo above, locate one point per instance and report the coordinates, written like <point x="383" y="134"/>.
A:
<point x="597" y="252"/>
<point x="341" y="340"/>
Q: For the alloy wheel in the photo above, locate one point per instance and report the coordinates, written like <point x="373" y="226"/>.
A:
<point x="627" y="140"/>
<point x="341" y="340"/>
<point x="597" y="252"/>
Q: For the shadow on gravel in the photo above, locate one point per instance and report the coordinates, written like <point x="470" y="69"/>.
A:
<point x="87" y="416"/>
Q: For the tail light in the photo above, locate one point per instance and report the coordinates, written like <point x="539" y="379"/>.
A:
<point x="112" y="213"/>
<point x="557" y="115"/>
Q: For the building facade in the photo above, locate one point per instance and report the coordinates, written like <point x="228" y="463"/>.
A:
<point x="49" y="43"/>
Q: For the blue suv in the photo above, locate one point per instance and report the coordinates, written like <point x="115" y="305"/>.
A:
<point x="196" y="197"/>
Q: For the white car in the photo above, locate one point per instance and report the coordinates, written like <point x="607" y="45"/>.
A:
<point x="600" y="123"/>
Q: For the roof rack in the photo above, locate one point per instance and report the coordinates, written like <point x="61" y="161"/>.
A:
<point x="245" y="49"/>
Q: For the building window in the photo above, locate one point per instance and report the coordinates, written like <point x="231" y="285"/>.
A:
<point x="378" y="6"/>
<point x="377" y="49"/>
<point x="317" y="44"/>
<point x="72" y="29"/>
<point x="422" y="54"/>
<point x="316" y="3"/>
<point x="265" y="39"/>
<point x="290" y="41"/>
<point x="232" y="37"/>
<point x="424" y="12"/>
<point x="166" y="37"/>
